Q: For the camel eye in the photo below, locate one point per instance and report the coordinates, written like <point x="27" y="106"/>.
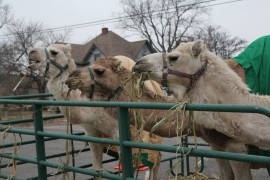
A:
<point x="74" y="73"/>
<point x="53" y="52"/>
<point x="173" y="58"/>
<point x="99" y="71"/>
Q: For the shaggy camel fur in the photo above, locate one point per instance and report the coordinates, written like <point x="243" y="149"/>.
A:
<point x="56" y="63"/>
<point x="219" y="84"/>
<point x="107" y="72"/>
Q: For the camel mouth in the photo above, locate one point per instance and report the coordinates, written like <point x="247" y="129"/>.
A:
<point x="33" y="61"/>
<point x="141" y="69"/>
<point x="142" y="66"/>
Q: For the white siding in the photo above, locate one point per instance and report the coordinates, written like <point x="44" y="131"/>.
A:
<point x="95" y="53"/>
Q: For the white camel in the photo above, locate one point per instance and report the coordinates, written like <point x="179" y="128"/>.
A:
<point x="55" y="63"/>
<point x="195" y="73"/>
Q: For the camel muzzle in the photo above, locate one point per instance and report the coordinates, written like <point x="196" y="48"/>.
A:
<point x="141" y="66"/>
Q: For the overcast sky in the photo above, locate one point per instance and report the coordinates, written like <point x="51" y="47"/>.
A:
<point x="248" y="19"/>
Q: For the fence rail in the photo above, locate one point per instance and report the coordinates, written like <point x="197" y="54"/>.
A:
<point x="125" y="142"/>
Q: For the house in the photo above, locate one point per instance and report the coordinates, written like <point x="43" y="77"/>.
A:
<point x="109" y="44"/>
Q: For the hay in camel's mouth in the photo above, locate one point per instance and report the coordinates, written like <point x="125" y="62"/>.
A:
<point x="74" y="84"/>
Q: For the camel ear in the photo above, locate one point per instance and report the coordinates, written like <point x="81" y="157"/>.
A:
<point x="71" y="65"/>
<point x="67" y="49"/>
<point x="197" y="48"/>
<point x="117" y="65"/>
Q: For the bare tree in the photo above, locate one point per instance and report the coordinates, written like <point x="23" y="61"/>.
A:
<point x="164" y="23"/>
<point x="220" y="41"/>
<point x="21" y="38"/>
<point x="25" y="36"/>
<point x="5" y="15"/>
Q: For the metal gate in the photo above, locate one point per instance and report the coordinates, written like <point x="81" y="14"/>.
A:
<point x="41" y="137"/>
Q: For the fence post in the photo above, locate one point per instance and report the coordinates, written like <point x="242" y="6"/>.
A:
<point x="40" y="144"/>
<point x="185" y="144"/>
<point x="124" y="134"/>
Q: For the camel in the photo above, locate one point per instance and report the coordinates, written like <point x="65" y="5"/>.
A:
<point x="215" y="83"/>
<point x="105" y="71"/>
<point x="55" y="63"/>
<point x="225" y="88"/>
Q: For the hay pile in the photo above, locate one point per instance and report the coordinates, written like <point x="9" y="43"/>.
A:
<point x="197" y="176"/>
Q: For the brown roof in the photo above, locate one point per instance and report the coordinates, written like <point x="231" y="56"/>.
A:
<point x="78" y="52"/>
<point x="110" y="44"/>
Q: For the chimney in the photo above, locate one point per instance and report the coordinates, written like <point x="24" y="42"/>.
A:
<point x="104" y="30"/>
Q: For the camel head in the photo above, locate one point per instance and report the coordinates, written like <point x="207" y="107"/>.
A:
<point x="103" y="77"/>
<point x="185" y="59"/>
<point x="52" y="60"/>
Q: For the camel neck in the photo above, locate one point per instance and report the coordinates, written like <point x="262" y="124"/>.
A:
<point x="221" y="85"/>
<point x="57" y="86"/>
<point x="59" y="90"/>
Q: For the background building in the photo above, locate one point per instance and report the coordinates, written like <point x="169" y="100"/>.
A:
<point x="109" y="44"/>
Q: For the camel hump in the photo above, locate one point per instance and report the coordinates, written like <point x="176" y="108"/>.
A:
<point x="152" y="88"/>
<point x="125" y="62"/>
<point x="237" y="68"/>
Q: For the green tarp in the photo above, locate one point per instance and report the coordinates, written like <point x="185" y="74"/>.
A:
<point x="255" y="59"/>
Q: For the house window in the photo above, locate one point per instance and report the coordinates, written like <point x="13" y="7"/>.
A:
<point x="96" y="56"/>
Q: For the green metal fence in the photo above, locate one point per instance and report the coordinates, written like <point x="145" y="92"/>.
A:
<point x="125" y="143"/>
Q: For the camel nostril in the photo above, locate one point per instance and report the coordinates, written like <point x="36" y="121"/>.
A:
<point x="138" y="62"/>
<point x="99" y="71"/>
